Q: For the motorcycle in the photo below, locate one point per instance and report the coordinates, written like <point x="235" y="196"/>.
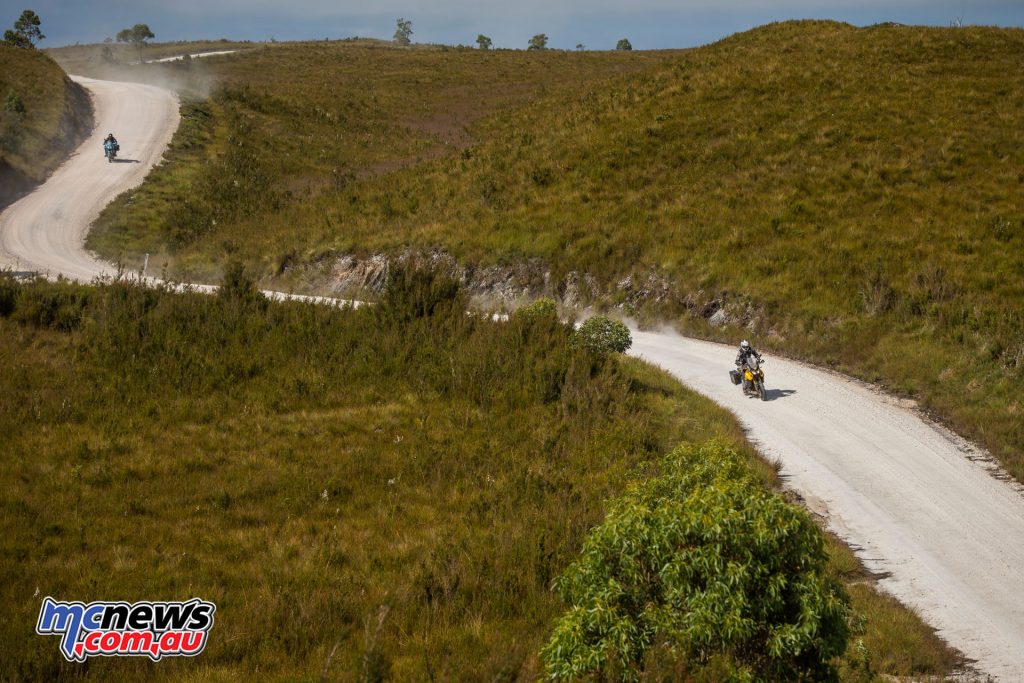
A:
<point x="110" y="150"/>
<point x="752" y="378"/>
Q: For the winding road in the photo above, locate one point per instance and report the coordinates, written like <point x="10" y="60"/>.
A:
<point x="925" y="508"/>
<point x="44" y="231"/>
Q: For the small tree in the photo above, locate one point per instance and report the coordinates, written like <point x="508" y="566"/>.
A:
<point x="581" y="47"/>
<point x="238" y="289"/>
<point x="26" y="31"/>
<point x="538" y="42"/>
<point x="484" y="42"/>
<point x="543" y="308"/>
<point x="403" y="34"/>
<point x="603" y="336"/>
<point x="136" y="35"/>
<point x="623" y="44"/>
<point x="702" y="567"/>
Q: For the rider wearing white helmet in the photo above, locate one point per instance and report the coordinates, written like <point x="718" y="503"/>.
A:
<point x="746" y="351"/>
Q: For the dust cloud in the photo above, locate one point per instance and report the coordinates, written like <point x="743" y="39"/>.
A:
<point x="189" y="77"/>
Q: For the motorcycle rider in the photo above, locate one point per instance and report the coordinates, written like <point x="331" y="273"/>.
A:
<point x="110" y="142"/>
<point x="746" y="351"/>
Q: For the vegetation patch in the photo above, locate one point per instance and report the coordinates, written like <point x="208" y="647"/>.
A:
<point x="381" y="493"/>
<point x="849" y="196"/>
<point x="310" y="120"/>
<point x="728" y="581"/>
<point x="43" y="117"/>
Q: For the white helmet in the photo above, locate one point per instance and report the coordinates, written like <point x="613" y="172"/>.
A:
<point x="744" y="344"/>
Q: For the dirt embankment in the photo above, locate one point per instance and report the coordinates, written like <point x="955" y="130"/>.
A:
<point x="44" y="116"/>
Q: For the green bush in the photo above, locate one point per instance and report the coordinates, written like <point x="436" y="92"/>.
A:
<point x="541" y="309"/>
<point x="8" y="294"/>
<point x="238" y="287"/>
<point x="416" y="290"/>
<point x="602" y="336"/>
<point x="13" y="103"/>
<point x="56" y="310"/>
<point x="704" y="567"/>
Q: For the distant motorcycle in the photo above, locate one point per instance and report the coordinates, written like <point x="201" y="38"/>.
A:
<point x="752" y="378"/>
<point x="110" y="150"/>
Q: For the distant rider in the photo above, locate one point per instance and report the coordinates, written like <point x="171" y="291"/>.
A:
<point x="746" y="351"/>
<point x="110" y="143"/>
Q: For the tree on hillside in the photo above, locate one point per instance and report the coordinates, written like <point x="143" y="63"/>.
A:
<point x="26" y="31"/>
<point x="538" y="42"/>
<point x="581" y="47"/>
<point x="623" y="44"/>
<point x="403" y="34"/>
<point x="602" y="336"/>
<point x="484" y="42"/>
<point x="708" y="573"/>
<point x="136" y="35"/>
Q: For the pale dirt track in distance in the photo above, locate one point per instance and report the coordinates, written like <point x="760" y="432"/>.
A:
<point x="948" y="533"/>
<point x="197" y="55"/>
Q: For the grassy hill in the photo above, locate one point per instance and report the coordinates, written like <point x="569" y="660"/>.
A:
<point x="384" y="493"/>
<point x="288" y="123"/>
<point x="849" y="196"/>
<point x="43" y="117"/>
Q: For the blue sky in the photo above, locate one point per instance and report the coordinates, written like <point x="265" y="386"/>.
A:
<point x="598" y="24"/>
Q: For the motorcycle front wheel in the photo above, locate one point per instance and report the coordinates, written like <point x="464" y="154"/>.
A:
<point x="761" y="391"/>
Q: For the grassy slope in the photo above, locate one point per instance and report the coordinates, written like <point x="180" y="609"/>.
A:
<point x="56" y="117"/>
<point x="401" y="491"/>
<point x="853" y="196"/>
<point x="313" y="119"/>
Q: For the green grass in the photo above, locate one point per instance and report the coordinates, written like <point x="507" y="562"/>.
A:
<point x="313" y="120"/>
<point x="396" y="489"/>
<point x="848" y="196"/>
<point x="43" y="116"/>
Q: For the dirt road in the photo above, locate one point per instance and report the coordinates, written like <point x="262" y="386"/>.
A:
<point x="44" y="230"/>
<point x="916" y="500"/>
<point x="923" y="505"/>
<point x="197" y="55"/>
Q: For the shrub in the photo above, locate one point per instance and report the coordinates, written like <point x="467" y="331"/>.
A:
<point x="13" y="103"/>
<point x="8" y="294"/>
<point x="602" y="336"/>
<point x="238" y="287"/>
<point x="417" y="290"/>
<point x="61" y="310"/>
<point x="704" y="567"/>
<point x="541" y="309"/>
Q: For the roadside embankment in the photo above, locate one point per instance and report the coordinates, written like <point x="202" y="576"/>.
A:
<point x="44" y="115"/>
